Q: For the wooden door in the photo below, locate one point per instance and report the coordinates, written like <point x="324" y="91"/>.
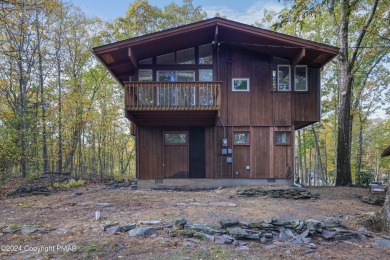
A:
<point x="241" y="155"/>
<point x="176" y="154"/>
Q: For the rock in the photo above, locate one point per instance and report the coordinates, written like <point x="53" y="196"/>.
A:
<point x="268" y="235"/>
<point x="103" y="204"/>
<point x="109" y="224"/>
<point x="225" y="223"/>
<point x="223" y="204"/>
<point x="280" y="222"/>
<point x="224" y="239"/>
<point x="97" y="215"/>
<point x="312" y="246"/>
<point x="308" y="250"/>
<point x="114" y="230"/>
<point x="180" y="222"/>
<point x="203" y="228"/>
<point x="189" y="244"/>
<point x="237" y="232"/>
<point x="141" y="232"/>
<point x="29" y="190"/>
<point x="167" y="226"/>
<point x="187" y="233"/>
<point x="382" y="243"/>
<point x="327" y="234"/>
<point x="28" y="230"/>
<point x="128" y="227"/>
<point x="343" y="234"/>
<point x="78" y="193"/>
<point x="263" y="240"/>
<point x="373" y="200"/>
<point x="150" y="222"/>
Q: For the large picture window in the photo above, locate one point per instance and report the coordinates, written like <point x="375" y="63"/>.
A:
<point x="300" y="78"/>
<point x="176" y="96"/>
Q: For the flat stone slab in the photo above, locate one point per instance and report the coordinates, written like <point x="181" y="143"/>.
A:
<point x="141" y="232"/>
<point x="212" y="203"/>
<point x="150" y="222"/>
<point x="382" y="243"/>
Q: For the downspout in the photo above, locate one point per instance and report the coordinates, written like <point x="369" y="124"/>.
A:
<point x="295" y="184"/>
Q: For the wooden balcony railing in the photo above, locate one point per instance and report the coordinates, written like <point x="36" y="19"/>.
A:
<point x="172" y="95"/>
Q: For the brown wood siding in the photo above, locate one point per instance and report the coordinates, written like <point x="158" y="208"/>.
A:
<point x="261" y="148"/>
<point x="176" y="161"/>
<point x="261" y="108"/>
<point x="306" y="105"/>
<point x="239" y="102"/>
<point x="210" y="152"/>
<point x="241" y="159"/>
<point x="150" y="152"/>
<point x="282" y="108"/>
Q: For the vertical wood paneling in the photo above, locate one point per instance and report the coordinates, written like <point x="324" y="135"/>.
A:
<point x="260" y="152"/>
<point x="176" y="161"/>
<point x="239" y="102"/>
<point x="210" y="154"/>
<point x="241" y="158"/>
<point x="306" y="104"/>
<point x="282" y="108"/>
<point x="261" y="108"/>
<point x="150" y="150"/>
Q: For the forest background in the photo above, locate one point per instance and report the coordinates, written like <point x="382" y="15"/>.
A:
<point x="61" y="111"/>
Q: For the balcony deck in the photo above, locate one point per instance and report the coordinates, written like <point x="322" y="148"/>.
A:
<point x="173" y="103"/>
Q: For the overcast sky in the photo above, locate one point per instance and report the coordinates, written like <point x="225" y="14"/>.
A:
<point x="245" y="11"/>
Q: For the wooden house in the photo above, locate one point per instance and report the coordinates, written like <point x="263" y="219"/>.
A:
<point x="217" y="102"/>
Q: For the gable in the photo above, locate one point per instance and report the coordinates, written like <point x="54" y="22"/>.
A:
<point x="121" y="58"/>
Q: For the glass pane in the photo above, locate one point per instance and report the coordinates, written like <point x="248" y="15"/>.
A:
<point x="185" y="76"/>
<point x="206" y="75"/>
<point x="146" y="61"/>
<point x="176" y="138"/>
<point x="284" y="78"/>
<point x="206" y="54"/>
<point x="282" y="138"/>
<point x="186" y="56"/>
<point x="166" y="76"/>
<point x="274" y="79"/>
<point x="145" y="75"/>
<point x="166" y="59"/>
<point x="301" y="78"/>
<point x="241" y="138"/>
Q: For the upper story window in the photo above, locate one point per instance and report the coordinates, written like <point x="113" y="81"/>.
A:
<point x="145" y="75"/>
<point x="300" y="78"/>
<point x="283" y="78"/>
<point x="186" y="56"/>
<point x="146" y="61"/>
<point x="205" y="75"/>
<point x="173" y="76"/>
<point x="168" y="58"/>
<point x="206" y="54"/>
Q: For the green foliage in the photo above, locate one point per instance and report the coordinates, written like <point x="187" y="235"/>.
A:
<point x="364" y="178"/>
<point x="72" y="183"/>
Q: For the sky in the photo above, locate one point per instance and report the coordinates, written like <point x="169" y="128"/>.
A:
<point x="244" y="11"/>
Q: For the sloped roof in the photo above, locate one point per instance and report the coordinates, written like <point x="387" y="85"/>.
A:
<point x="386" y="152"/>
<point x="120" y="57"/>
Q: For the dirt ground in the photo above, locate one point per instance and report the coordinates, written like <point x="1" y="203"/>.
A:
<point x="69" y="229"/>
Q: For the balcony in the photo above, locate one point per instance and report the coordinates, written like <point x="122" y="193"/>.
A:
<point x="173" y="103"/>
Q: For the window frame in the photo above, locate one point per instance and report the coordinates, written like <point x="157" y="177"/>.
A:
<point x="241" y="132"/>
<point x="241" y="90"/>
<point x="306" y="78"/>
<point x="173" y="133"/>
<point x="289" y="78"/>
<point x="282" y="132"/>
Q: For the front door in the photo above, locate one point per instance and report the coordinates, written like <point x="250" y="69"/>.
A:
<point x="176" y="154"/>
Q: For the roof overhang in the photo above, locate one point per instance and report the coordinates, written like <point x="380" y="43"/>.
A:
<point x="120" y="58"/>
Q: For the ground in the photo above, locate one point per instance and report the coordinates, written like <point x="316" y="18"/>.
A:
<point x="69" y="229"/>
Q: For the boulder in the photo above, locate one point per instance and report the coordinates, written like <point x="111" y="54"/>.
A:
<point x="141" y="232"/>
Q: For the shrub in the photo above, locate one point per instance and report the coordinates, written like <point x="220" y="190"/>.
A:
<point x="72" y="183"/>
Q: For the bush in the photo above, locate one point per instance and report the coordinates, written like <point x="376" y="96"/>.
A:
<point x="364" y="178"/>
<point x="72" y="183"/>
